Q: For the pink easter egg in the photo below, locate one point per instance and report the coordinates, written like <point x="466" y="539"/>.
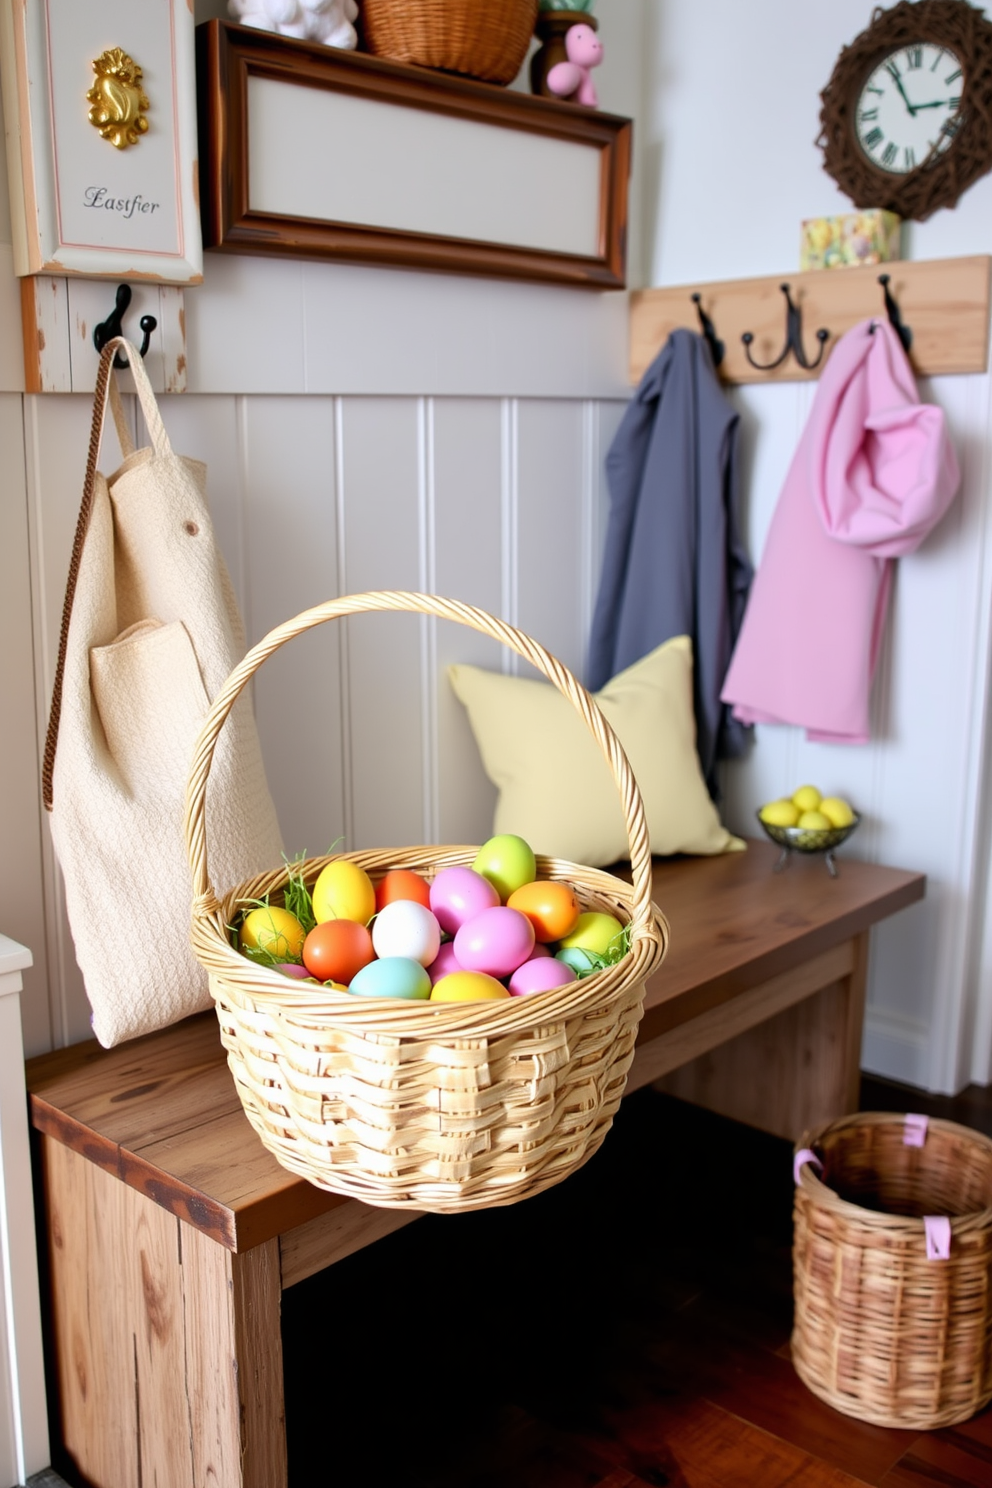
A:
<point x="458" y="894"/>
<point x="444" y="962"/>
<point x="496" y="941"/>
<point x="540" y="974"/>
<point x="292" y="969"/>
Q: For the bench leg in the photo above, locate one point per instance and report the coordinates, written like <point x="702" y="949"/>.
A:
<point x="792" y="1070"/>
<point x="166" y="1347"/>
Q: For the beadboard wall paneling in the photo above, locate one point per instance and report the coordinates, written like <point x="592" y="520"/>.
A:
<point x="56" y="436"/>
<point x="290" y="517"/>
<point x="918" y="782"/>
<point x="551" y="533"/>
<point x="468" y="485"/>
<point x="381" y="463"/>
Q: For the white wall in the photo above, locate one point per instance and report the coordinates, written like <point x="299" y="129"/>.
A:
<point x="730" y="168"/>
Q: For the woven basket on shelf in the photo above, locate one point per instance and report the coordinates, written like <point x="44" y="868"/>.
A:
<point x="882" y="1332"/>
<point x="422" y="1105"/>
<point x="484" y="39"/>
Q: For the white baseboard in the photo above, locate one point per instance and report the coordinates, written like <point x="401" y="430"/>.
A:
<point x="895" y="1048"/>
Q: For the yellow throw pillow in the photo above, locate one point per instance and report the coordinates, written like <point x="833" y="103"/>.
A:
<point x="556" y="789"/>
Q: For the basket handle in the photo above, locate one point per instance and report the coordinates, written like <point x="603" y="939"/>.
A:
<point x="204" y="899"/>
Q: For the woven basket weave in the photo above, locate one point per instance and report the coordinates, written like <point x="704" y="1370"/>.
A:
<point x="882" y="1332"/>
<point x="484" y="39"/>
<point x="435" y="1106"/>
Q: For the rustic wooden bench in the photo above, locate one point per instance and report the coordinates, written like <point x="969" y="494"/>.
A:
<point x="172" y="1233"/>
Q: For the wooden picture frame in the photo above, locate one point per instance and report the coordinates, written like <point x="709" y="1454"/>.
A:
<point x="99" y="186"/>
<point x="312" y="152"/>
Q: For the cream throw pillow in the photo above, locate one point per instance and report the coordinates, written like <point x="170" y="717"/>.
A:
<point x="556" y="789"/>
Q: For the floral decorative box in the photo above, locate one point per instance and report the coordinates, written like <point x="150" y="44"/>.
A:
<point x="869" y="237"/>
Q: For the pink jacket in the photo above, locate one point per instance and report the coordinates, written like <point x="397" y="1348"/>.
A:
<point x="874" y="472"/>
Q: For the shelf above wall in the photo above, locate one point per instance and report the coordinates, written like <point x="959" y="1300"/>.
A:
<point x="312" y="152"/>
<point x="944" y="302"/>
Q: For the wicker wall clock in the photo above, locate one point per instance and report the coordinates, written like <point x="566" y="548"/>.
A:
<point x="906" y="122"/>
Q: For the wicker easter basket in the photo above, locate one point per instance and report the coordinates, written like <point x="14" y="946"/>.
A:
<point x="421" y="1105"/>
<point x="883" y="1331"/>
<point x="486" y="41"/>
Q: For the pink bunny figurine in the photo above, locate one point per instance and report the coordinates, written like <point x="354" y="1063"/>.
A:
<point x="571" y="79"/>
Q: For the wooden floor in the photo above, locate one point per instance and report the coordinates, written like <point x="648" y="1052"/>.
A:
<point x="628" y="1328"/>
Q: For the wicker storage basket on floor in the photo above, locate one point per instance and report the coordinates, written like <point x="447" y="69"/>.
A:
<point x="485" y="39"/>
<point x="433" y="1106"/>
<point x="881" y="1331"/>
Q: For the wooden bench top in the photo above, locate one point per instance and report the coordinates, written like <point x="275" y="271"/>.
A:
<point x="162" y="1113"/>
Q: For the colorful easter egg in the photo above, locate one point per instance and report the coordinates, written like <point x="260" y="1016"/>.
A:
<point x="343" y="891"/>
<point x="392" y="976"/>
<point x="273" y="931"/>
<point x="540" y="974"/>
<point x="551" y="907"/>
<point x="405" y="928"/>
<point x="595" y="931"/>
<point x="458" y="894"/>
<point x="402" y="883"/>
<point x="444" y="963"/>
<point x="507" y="861"/>
<point x="336" y="950"/>
<point x="468" y="986"/>
<point x="496" y="941"/>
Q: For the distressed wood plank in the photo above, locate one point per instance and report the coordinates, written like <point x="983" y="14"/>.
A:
<point x="318" y="1244"/>
<point x="945" y="302"/>
<point x="234" y="1359"/>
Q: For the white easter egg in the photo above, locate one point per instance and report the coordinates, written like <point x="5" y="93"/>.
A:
<point x="406" y="928"/>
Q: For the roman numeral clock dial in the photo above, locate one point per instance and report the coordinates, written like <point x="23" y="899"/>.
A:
<point x="906" y="118"/>
<point x="910" y="107"/>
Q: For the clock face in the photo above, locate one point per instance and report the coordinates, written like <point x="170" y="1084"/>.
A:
<point x="908" y="111"/>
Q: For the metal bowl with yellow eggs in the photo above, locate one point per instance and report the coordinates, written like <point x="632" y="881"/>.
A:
<point x="808" y="822"/>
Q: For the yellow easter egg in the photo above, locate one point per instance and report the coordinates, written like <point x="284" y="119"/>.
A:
<point x="275" y="931"/>
<point x="343" y="891"/>
<point x="467" y="986"/>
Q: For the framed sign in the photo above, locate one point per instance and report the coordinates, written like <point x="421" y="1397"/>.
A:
<point x="313" y="152"/>
<point x="100" y="115"/>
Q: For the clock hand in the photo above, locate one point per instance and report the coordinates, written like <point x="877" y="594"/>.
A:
<point x="938" y="103"/>
<point x="898" y="82"/>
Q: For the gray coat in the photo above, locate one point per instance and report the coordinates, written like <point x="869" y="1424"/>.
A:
<point x="674" y="563"/>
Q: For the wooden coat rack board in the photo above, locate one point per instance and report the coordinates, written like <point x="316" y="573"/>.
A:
<point x="943" y="302"/>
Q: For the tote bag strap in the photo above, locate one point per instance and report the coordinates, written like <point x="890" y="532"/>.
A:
<point x="106" y="389"/>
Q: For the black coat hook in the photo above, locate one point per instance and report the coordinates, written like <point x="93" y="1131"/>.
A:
<point x="112" y="326"/>
<point x="895" y="316"/>
<point x="793" y="340"/>
<point x="708" y="331"/>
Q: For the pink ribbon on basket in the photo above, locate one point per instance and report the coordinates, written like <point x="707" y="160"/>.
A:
<point x="915" y="1130"/>
<point x="804" y="1155"/>
<point x="937" y="1229"/>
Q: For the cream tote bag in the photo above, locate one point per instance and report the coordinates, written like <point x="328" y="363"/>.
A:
<point x="150" y="631"/>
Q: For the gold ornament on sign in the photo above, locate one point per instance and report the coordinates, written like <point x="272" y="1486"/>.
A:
<point x="118" y="99"/>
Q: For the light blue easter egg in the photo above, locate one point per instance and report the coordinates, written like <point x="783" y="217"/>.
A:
<point x="392" y="976"/>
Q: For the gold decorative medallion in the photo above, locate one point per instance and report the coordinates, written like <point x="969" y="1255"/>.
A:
<point x="118" y="99"/>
